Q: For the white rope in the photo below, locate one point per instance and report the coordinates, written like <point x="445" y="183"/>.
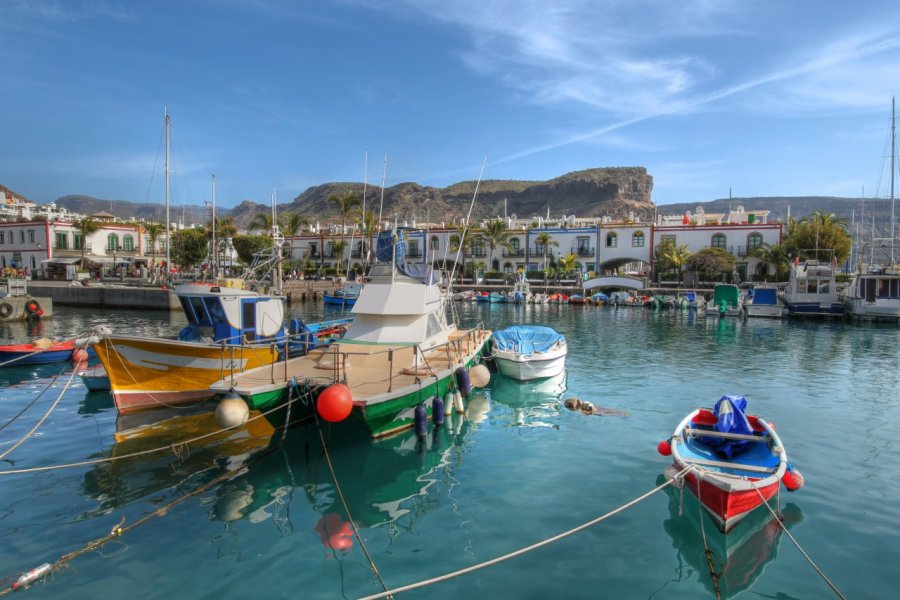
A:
<point x="527" y="549"/>
<point x="42" y="419"/>
<point x="790" y="537"/>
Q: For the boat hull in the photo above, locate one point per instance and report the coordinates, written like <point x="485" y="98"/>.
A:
<point x="525" y="368"/>
<point x="726" y="505"/>
<point x="771" y="311"/>
<point x="28" y="354"/>
<point x="338" y="300"/>
<point x="146" y="374"/>
<point x="815" y="309"/>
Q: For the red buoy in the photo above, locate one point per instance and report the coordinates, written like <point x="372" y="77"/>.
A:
<point x="334" y="533"/>
<point x="664" y="448"/>
<point x="335" y="403"/>
<point x="79" y="355"/>
<point x="792" y="479"/>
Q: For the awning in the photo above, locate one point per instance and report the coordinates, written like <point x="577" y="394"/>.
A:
<point x="106" y="260"/>
<point x="62" y="260"/>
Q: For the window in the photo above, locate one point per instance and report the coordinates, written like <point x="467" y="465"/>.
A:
<point x="435" y="242"/>
<point x="112" y="242"/>
<point x="637" y="239"/>
<point x="412" y="248"/>
<point x="584" y="246"/>
<point x="454" y="241"/>
<point x="667" y="239"/>
<point x="62" y="241"/>
<point x="128" y="243"/>
<point x="718" y="240"/>
<point x="2" y="237"/>
<point x="754" y="240"/>
<point x="31" y="236"/>
<point x="514" y="245"/>
<point x="21" y="236"/>
<point x="612" y="240"/>
<point x="77" y="240"/>
<point x="538" y="249"/>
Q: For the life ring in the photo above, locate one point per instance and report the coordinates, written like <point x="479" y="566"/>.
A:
<point x="5" y="309"/>
<point x="32" y="307"/>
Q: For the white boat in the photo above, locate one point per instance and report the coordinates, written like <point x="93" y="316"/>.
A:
<point x="812" y="291"/>
<point x="763" y="301"/>
<point x="520" y="294"/>
<point x="873" y="295"/>
<point x="399" y="353"/>
<point x="527" y="352"/>
<point x="726" y="301"/>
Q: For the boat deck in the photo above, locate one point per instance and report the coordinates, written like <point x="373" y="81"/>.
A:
<point x="371" y="369"/>
<point x="759" y="458"/>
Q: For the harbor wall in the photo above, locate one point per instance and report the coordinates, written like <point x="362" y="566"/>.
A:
<point x="108" y="296"/>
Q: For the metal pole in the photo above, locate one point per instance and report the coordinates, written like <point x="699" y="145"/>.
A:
<point x="215" y="248"/>
<point x="168" y="232"/>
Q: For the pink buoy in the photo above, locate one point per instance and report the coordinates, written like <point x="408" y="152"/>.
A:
<point x="79" y="355"/>
<point x="335" y="403"/>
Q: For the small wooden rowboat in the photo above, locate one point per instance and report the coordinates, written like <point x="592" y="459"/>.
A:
<point x="736" y="461"/>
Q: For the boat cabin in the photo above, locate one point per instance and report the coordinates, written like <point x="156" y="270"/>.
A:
<point x="230" y="315"/>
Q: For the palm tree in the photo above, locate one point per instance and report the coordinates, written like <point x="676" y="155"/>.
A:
<point x="345" y="204"/>
<point x="338" y="250"/>
<point x="775" y="255"/>
<point x="545" y="240"/>
<point x="261" y="221"/>
<point x="674" y="257"/>
<point x="369" y="226"/>
<point x="153" y="230"/>
<point x="463" y="243"/>
<point x="292" y="222"/>
<point x="496" y="234"/>
<point x="87" y="226"/>
<point x="567" y="264"/>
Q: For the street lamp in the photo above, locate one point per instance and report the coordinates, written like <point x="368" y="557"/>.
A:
<point x="114" y="250"/>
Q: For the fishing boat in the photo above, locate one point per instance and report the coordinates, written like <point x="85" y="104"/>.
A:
<point x="39" y="352"/>
<point x="399" y="352"/>
<point x="690" y="301"/>
<point x="520" y="293"/>
<point x="874" y="295"/>
<point x="763" y="301"/>
<point x="660" y="301"/>
<point x="345" y="296"/>
<point x="527" y="352"/>
<point x="726" y="301"/>
<point x="228" y="330"/>
<point x="735" y="461"/>
<point x="811" y="291"/>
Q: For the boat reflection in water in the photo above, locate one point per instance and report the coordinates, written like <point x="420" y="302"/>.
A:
<point x="533" y="403"/>
<point x="740" y="556"/>
<point x="390" y="481"/>
<point x="130" y="478"/>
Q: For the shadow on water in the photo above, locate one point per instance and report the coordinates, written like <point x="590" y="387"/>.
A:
<point x="527" y="403"/>
<point x="739" y="558"/>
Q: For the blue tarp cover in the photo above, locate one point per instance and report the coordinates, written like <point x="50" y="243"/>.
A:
<point x="384" y="250"/>
<point x="423" y="273"/>
<point x="765" y="296"/>
<point x="729" y="412"/>
<point x="527" y="339"/>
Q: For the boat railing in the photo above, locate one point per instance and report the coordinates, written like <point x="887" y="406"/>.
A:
<point x="453" y="348"/>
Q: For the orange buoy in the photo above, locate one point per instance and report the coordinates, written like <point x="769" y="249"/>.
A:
<point x="79" y="355"/>
<point x="792" y="479"/>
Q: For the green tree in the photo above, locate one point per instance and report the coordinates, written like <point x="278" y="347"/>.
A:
<point x="821" y="236"/>
<point x="567" y="263"/>
<point x="671" y="257"/>
<point x="338" y="250"/>
<point x="189" y="247"/>
<point x="462" y="243"/>
<point x="246" y="246"/>
<point x="154" y="230"/>
<point x="775" y="255"/>
<point x="496" y="234"/>
<point x="545" y="240"/>
<point x="87" y="226"/>
<point x="346" y="205"/>
<point x="291" y="223"/>
<point x="712" y="262"/>
<point x="369" y="226"/>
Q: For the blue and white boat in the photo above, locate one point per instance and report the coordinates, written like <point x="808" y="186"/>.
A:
<point x="811" y="291"/>
<point x="345" y="296"/>
<point x="763" y="301"/>
<point x="526" y="352"/>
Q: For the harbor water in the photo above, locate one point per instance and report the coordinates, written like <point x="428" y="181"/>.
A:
<point x="516" y="469"/>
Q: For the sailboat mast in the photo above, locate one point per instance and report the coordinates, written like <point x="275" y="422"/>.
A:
<point x="168" y="231"/>
<point x="215" y="251"/>
<point x="893" y="169"/>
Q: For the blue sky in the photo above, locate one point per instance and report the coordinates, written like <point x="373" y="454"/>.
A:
<point x="762" y="98"/>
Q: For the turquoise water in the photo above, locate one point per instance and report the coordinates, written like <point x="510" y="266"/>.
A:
<point x="518" y="469"/>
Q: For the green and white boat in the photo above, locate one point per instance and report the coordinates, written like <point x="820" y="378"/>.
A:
<point x="402" y="349"/>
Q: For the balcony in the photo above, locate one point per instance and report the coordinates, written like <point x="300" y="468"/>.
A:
<point x="583" y="252"/>
<point x="513" y="253"/>
<point x="414" y="253"/>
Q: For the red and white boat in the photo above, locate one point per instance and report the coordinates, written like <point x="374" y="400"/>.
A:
<point x="736" y="460"/>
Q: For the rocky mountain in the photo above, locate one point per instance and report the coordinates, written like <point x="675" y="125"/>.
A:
<point x="125" y="209"/>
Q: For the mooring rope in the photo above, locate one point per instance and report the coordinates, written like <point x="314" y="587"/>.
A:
<point x="337" y="487"/>
<point x="706" y="551"/>
<point x="521" y="551"/>
<point x="33" y="400"/>
<point x="168" y="447"/>
<point x="42" y="419"/>
<point x="825" y="578"/>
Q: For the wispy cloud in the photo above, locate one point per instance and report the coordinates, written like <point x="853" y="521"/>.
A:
<point x="62" y="11"/>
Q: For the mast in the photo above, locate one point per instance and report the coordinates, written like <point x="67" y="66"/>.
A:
<point x="168" y="231"/>
<point x="215" y="265"/>
<point x="893" y="168"/>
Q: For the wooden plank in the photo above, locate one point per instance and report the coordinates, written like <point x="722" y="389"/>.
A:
<point x="728" y="465"/>
<point x="731" y="436"/>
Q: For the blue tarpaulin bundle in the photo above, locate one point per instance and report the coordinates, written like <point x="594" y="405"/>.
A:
<point x="384" y="247"/>
<point x="526" y="339"/>
<point x="730" y="418"/>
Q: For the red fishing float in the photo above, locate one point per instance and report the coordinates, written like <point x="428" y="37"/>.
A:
<point x="792" y="479"/>
<point x="334" y="533"/>
<point x="664" y="448"/>
<point x="335" y="403"/>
